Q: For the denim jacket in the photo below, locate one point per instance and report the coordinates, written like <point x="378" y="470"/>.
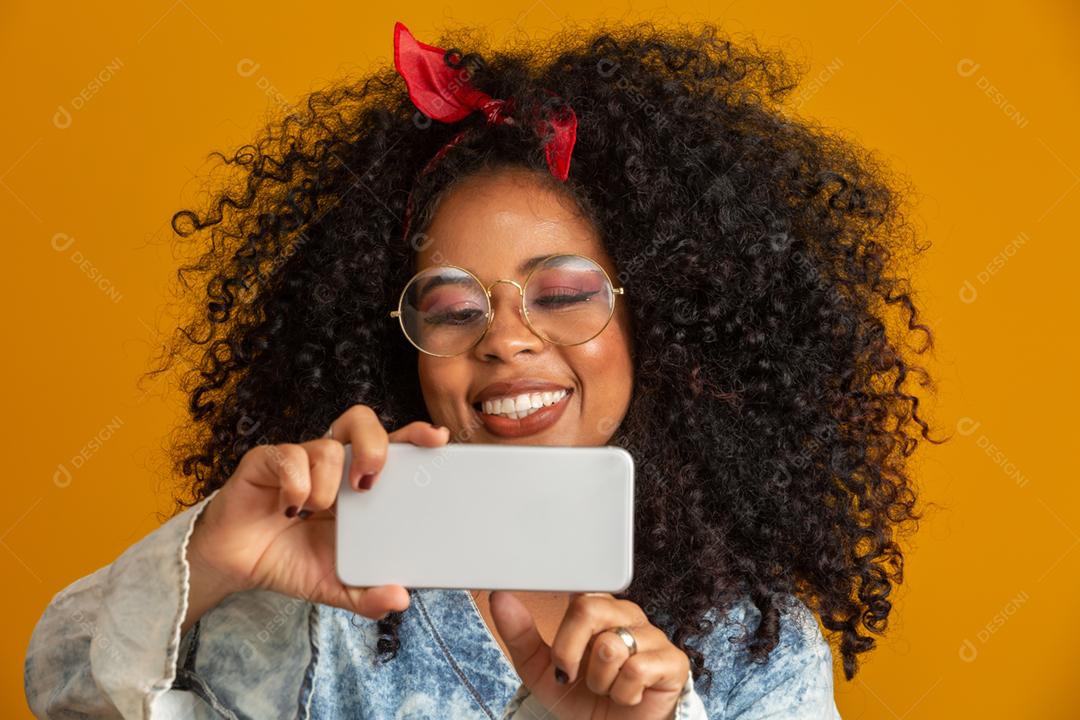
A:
<point x="109" y="646"/>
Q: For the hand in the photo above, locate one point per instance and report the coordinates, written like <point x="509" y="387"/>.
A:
<point x="604" y="680"/>
<point x="246" y="539"/>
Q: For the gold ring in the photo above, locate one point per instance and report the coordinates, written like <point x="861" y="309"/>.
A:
<point x="627" y="637"/>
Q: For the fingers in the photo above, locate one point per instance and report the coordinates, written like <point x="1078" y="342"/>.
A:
<point x="286" y="466"/>
<point x="421" y="433"/>
<point x="605" y="658"/>
<point x="307" y="475"/>
<point x="589" y="615"/>
<point x="658" y="670"/>
<point x="360" y="427"/>
<point x="326" y="458"/>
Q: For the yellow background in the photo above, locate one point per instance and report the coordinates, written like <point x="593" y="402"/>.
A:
<point x="976" y="106"/>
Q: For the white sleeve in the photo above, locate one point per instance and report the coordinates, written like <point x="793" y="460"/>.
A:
<point x="108" y="645"/>
<point x="525" y="706"/>
<point x="690" y="705"/>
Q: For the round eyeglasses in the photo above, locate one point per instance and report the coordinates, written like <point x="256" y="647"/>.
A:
<point x="445" y="310"/>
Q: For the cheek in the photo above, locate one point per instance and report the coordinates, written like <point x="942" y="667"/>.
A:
<point x="605" y="369"/>
<point x="443" y="382"/>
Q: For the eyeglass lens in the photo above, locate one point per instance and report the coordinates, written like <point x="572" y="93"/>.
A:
<point x="568" y="300"/>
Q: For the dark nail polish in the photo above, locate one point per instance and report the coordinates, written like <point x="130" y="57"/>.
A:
<point x="291" y="511"/>
<point x="560" y="676"/>
<point x="367" y="481"/>
<point x="303" y="514"/>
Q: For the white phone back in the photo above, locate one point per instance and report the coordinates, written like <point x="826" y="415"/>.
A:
<point x="498" y="517"/>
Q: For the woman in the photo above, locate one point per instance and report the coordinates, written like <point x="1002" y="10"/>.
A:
<point x="748" y="367"/>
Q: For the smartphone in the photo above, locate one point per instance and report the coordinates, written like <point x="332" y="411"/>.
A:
<point x="493" y="517"/>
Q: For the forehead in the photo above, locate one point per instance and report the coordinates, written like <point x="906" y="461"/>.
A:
<point x="493" y="223"/>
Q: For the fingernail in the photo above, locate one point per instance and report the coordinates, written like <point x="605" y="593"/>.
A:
<point x="367" y="481"/>
<point x="560" y="676"/>
<point x="291" y="511"/>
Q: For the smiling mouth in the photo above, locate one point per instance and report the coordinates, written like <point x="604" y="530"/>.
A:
<point x="516" y="407"/>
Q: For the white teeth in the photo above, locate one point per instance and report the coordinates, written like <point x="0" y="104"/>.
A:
<point x="522" y="405"/>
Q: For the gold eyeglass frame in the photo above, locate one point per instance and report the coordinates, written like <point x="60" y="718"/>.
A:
<point x="491" y="305"/>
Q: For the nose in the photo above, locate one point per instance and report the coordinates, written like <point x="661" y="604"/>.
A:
<point x="508" y="334"/>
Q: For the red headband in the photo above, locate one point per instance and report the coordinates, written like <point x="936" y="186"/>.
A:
<point x="444" y="93"/>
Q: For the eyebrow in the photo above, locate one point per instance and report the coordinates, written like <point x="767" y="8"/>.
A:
<point x="532" y="262"/>
<point x="438" y="280"/>
<point x="442" y="280"/>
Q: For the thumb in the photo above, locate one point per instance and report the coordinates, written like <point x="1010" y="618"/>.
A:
<point x="530" y="654"/>
<point x="374" y="602"/>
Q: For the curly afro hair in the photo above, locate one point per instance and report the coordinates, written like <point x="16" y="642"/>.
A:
<point x="771" y="418"/>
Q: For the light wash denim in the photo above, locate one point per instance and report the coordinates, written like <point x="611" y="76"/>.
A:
<point x="109" y="646"/>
